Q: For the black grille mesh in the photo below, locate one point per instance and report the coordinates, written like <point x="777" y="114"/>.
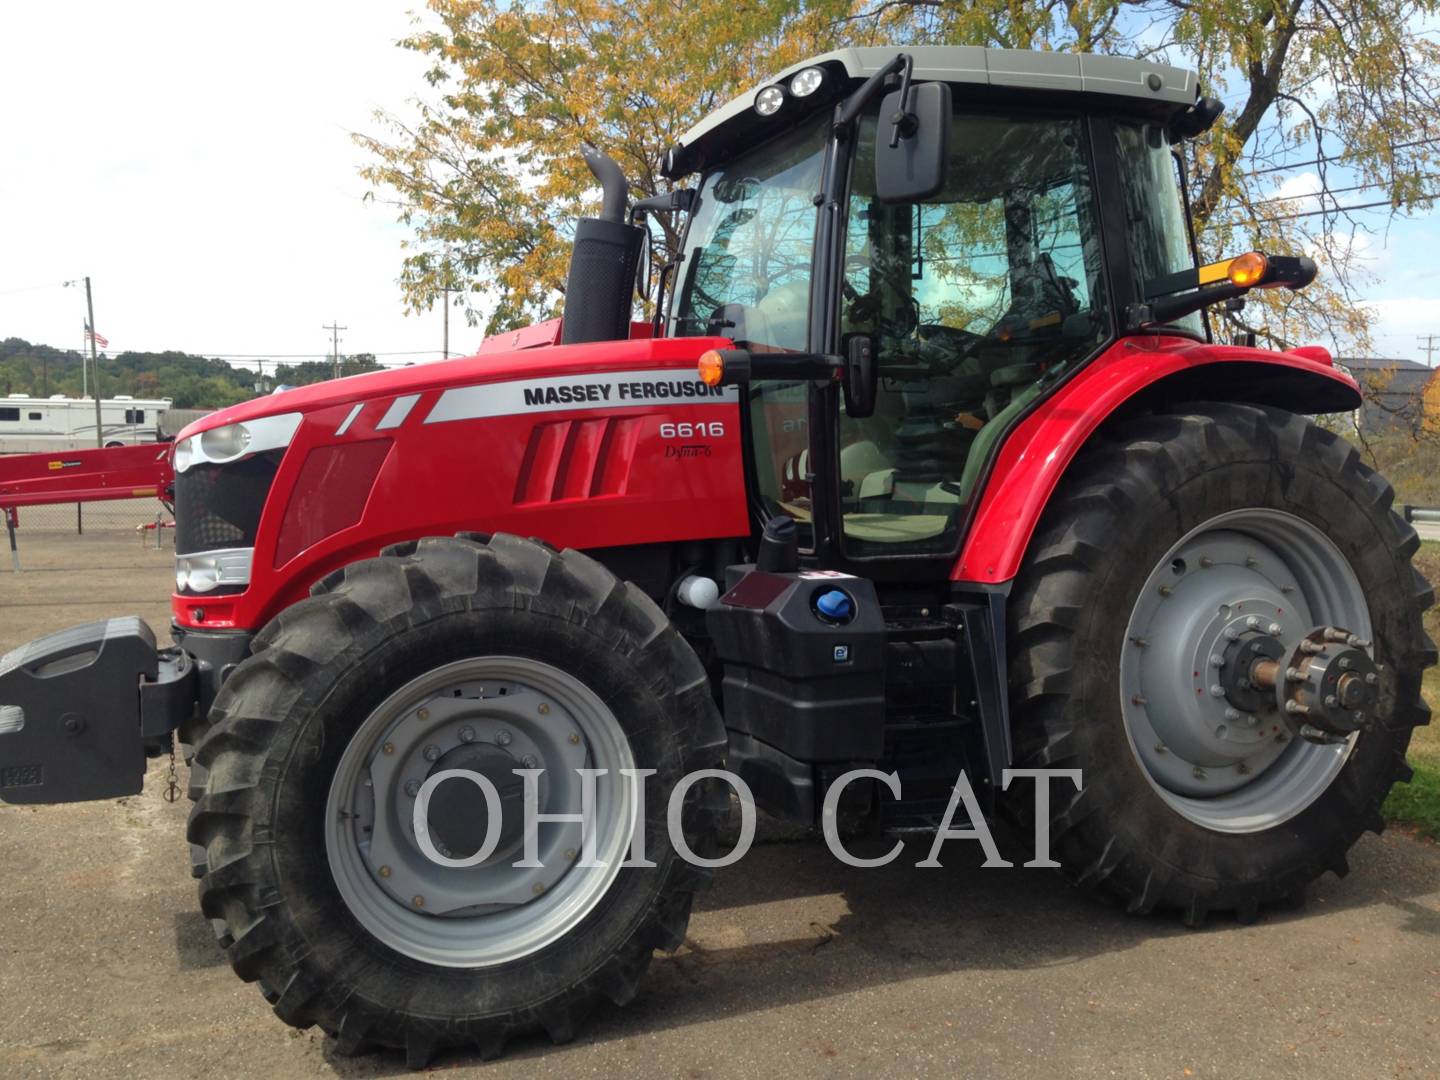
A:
<point x="218" y="506"/>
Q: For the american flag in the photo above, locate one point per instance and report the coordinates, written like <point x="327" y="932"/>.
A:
<point x="100" y="339"/>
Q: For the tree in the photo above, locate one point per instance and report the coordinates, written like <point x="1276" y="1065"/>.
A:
<point x="489" y="179"/>
<point x="489" y="176"/>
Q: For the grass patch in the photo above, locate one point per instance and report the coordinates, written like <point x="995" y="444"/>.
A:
<point x="1418" y="803"/>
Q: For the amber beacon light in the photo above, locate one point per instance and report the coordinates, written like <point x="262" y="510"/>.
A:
<point x="1248" y="269"/>
<point x="711" y="367"/>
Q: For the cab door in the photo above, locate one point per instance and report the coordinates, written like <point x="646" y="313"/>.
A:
<point x="975" y="301"/>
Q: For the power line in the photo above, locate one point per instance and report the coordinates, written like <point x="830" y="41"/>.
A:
<point x="1427" y="197"/>
<point x="1336" y="191"/>
<point x="1337" y="157"/>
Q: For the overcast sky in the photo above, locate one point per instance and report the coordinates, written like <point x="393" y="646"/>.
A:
<point x="195" y="160"/>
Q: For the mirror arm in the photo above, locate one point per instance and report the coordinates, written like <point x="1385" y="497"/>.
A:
<point x="856" y="102"/>
<point x="903" y="122"/>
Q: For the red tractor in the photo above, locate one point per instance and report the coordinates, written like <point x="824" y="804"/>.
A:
<point x="929" y="467"/>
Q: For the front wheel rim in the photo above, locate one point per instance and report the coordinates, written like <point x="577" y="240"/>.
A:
<point x="494" y="912"/>
<point x="1246" y="571"/>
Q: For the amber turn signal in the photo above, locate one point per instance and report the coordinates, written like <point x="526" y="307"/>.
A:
<point x="711" y="367"/>
<point x="1248" y="269"/>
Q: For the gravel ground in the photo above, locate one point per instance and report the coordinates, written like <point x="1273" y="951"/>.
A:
<point x="796" y="965"/>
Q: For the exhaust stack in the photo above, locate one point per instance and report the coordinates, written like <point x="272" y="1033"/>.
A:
<point x="603" y="261"/>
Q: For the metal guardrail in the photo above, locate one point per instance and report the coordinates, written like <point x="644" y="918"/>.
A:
<point x="1421" y="513"/>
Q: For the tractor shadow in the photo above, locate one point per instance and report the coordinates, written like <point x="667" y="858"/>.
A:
<point x="791" y="924"/>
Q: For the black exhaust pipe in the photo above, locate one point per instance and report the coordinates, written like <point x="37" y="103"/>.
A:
<point x="603" y="262"/>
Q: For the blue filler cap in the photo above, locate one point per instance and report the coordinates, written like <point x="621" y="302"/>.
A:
<point x="834" y="605"/>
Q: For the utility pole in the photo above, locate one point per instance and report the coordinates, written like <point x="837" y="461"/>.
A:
<point x="1430" y="346"/>
<point x="84" y="367"/>
<point x="95" y="363"/>
<point x="335" y="345"/>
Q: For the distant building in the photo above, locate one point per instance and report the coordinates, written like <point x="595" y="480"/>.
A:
<point x="1396" y="393"/>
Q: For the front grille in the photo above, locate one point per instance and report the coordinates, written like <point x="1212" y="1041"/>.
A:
<point x="218" y="506"/>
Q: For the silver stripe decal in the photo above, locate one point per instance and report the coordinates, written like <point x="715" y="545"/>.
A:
<point x="398" y="411"/>
<point x="345" y="424"/>
<point x="612" y="390"/>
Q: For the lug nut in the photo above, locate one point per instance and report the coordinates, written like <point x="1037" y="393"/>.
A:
<point x="1232" y="714"/>
<point x="1206" y="562"/>
<point x="1216" y="660"/>
<point x="412" y="788"/>
<point x="1217" y="690"/>
<point x="1358" y="716"/>
<point x="544" y="709"/>
<point x="530" y="761"/>
<point x="1274" y="629"/>
<point x="1331" y="701"/>
<point x="1296" y="709"/>
<point x="1242" y="768"/>
<point x="1198" y="773"/>
<point x="1313" y="648"/>
<point x="1295" y="674"/>
<point x="503" y="737"/>
<point x="467" y="734"/>
<point x="432" y="752"/>
<point x="1344" y="664"/>
<point x="423" y="714"/>
<point x="1160" y="748"/>
<point x="389" y="748"/>
<point x="419" y="901"/>
<point x="1371" y="678"/>
<point x="1138" y="699"/>
<point x="1253" y="622"/>
<point x="1139" y="642"/>
<point x="384" y="871"/>
<point x="1251" y="562"/>
<point x="538" y="888"/>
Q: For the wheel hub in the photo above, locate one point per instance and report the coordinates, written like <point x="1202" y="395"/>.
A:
<point x="459" y="816"/>
<point x="1210" y="715"/>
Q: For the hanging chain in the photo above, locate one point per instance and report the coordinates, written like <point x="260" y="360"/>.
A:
<point x="172" y="785"/>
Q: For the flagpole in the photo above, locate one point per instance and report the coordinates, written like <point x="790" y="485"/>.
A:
<point x="95" y="360"/>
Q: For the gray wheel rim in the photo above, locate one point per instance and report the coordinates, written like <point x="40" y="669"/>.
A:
<point x="1259" y="569"/>
<point x="494" y="912"/>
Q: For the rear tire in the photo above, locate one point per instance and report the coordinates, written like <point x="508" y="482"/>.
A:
<point x="1121" y="510"/>
<point x="280" y="729"/>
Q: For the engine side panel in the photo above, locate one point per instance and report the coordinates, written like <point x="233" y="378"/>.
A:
<point x="634" y="450"/>
<point x="1040" y="449"/>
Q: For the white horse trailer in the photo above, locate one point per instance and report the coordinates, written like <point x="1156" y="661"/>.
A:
<point x="30" y="425"/>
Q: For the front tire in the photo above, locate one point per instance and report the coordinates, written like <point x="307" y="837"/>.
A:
<point x="1160" y="535"/>
<point x="447" y="649"/>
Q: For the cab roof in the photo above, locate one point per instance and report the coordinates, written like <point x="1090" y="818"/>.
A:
<point x="1146" y="86"/>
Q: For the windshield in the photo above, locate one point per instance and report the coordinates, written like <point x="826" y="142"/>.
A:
<point x="1159" y="236"/>
<point x="746" y="268"/>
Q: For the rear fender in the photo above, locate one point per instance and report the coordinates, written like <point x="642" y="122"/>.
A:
<point x="1133" y="373"/>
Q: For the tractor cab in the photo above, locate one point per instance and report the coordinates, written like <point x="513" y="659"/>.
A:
<point x="972" y="246"/>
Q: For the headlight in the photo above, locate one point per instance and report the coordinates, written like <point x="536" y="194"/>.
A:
<point x="204" y="572"/>
<point x="224" y="443"/>
<point x="769" y="100"/>
<point x="807" y="82"/>
<point x="233" y="441"/>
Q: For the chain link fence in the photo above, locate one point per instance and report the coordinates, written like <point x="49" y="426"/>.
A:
<point x="65" y="535"/>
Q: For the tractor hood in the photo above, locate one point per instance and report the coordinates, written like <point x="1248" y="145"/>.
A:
<point x="428" y="381"/>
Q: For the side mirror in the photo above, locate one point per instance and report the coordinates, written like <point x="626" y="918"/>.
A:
<point x="861" y="376"/>
<point x="911" y="142"/>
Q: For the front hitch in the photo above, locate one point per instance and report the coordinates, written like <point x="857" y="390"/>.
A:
<point x="81" y="709"/>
